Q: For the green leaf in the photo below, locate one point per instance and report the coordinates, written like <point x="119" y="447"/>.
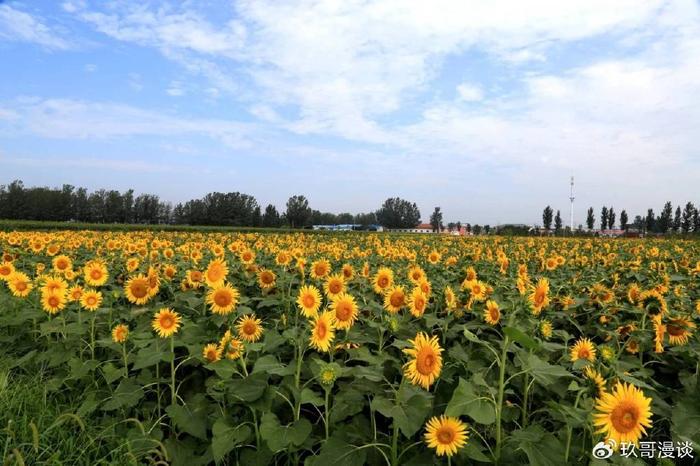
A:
<point x="518" y="336"/>
<point x="465" y="401"/>
<point x="269" y="364"/>
<point x="279" y="437"/>
<point x="187" y="420"/>
<point x="248" y="389"/>
<point x="338" y="452"/>
<point x="543" y="372"/>
<point x="147" y="357"/>
<point x="541" y="448"/>
<point x="126" y="395"/>
<point x="226" y="437"/>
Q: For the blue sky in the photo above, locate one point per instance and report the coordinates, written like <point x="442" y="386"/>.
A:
<point x="482" y="108"/>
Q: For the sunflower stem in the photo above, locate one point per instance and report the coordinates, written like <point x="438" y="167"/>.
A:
<point x="126" y="365"/>
<point x="327" y="412"/>
<point x="173" y="393"/>
<point x="501" y="390"/>
<point x="92" y="337"/>
<point x="569" y="431"/>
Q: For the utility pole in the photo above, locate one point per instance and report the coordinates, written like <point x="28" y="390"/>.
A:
<point x="571" y="198"/>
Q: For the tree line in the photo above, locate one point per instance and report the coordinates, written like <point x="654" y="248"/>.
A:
<point x="680" y="221"/>
<point x="69" y="203"/>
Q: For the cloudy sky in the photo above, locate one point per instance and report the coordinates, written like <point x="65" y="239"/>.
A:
<point x="483" y="108"/>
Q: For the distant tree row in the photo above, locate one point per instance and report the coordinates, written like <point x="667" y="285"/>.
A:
<point x="686" y="220"/>
<point x="69" y="203"/>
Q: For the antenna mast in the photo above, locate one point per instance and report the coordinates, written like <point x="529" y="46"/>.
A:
<point x="571" y="198"/>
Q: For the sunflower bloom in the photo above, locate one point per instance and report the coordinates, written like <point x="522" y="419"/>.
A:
<point x="120" y="333"/>
<point x="446" y="435"/>
<point x="323" y="332"/>
<point x="492" y="313"/>
<point x="426" y="362"/>
<point x="624" y="414"/>
<point x="249" y="328"/>
<point x="309" y="301"/>
<point x="344" y="310"/>
<point x="583" y="349"/>
<point x="166" y="322"/>
<point x="223" y="300"/>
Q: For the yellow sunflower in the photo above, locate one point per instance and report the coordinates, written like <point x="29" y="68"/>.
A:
<point x="309" y="301"/>
<point x="216" y="273"/>
<point x="624" y="414"/>
<point x="583" y="349"/>
<point x="446" y="435"/>
<point x="394" y="299"/>
<point x="334" y="285"/>
<point x="166" y="322"/>
<point x="19" y="284"/>
<point x="95" y="273"/>
<point x="539" y="297"/>
<point x="320" y="268"/>
<point x="212" y="352"/>
<point x="137" y="289"/>
<point x="249" y="328"/>
<point x="679" y="331"/>
<point x="62" y="263"/>
<point x="223" y="300"/>
<point x="426" y="362"/>
<point x="417" y="302"/>
<point x="323" y="332"/>
<point x="344" y="310"/>
<point x="120" y="333"/>
<point x="53" y="302"/>
<point x="91" y="300"/>
<point x="6" y="270"/>
<point x="266" y="279"/>
<point x="383" y="280"/>
<point x="492" y="313"/>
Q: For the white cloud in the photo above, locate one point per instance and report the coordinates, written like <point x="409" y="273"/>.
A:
<point x="16" y="25"/>
<point x="469" y="92"/>
<point x="76" y="119"/>
<point x="175" y="89"/>
<point x="90" y="67"/>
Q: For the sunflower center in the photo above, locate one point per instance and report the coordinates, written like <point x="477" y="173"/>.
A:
<point x="96" y="274"/>
<point x="419" y="303"/>
<point x="167" y="322"/>
<point x="249" y="328"/>
<point x="139" y="289"/>
<point x="445" y="436"/>
<point x="397" y="299"/>
<point x="343" y="311"/>
<point x="266" y="278"/>
<point x="309" y="301"/>
<point x="539" y="297"/>
<point x="675" y="330"/>
<point x="426" y="361"/>
<point x="625" y="417"/>
<point x="321" y="330"/>
<point x="335" y="287"/>
<point x="222" y="299"/>
<point x="53" y="301"/>
<point x="583" y="353"/>
<point x="494" y="313"/>
<point x="21" y="286"/>
<point x="383" y="282"/>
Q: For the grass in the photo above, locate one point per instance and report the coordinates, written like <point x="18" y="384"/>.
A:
<point x="40" y="427"/>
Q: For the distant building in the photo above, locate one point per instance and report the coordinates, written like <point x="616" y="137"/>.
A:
<point x="348" y="227"/>
<point x="421" y="228"/>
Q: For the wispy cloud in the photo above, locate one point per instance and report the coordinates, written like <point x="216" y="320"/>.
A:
<point x="20" y="26"/>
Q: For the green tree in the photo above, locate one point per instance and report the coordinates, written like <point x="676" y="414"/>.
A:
<point x="271" y="218"/>
<point x="436" y="220"/>
<point x="557" y="223"/>
<point x="298" y="211"/>
<point x="650" y="221"/>
<point x="547" y="214"/>
<point x="590" y="219"/>
<point x="666" y="218"/>
<point x="611" y="218"/>
<point x="398" y="213"/>
<point x="687" y="219"/>
<point x="623" y="220"/>
<point x="604" y="218"/>
<point x="677" y="220"/>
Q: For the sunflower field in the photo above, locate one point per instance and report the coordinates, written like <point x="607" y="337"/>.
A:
<point x="196" y="348"/>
